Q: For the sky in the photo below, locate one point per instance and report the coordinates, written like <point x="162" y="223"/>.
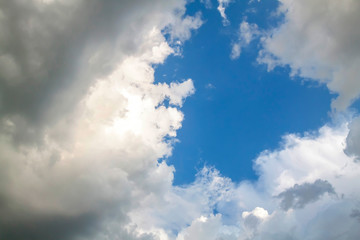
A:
<point x="179" y="119"/>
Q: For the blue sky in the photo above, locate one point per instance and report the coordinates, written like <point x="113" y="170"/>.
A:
<point x="179" y="119"/>
<point x="239" y="108"/>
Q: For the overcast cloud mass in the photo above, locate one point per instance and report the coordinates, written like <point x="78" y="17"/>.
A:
<point x="85" y="128"/>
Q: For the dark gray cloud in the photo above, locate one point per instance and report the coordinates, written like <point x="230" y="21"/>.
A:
<point x="55" y="227"/>
<point x="49" y="227"/>
<point x="300" y="195"/>
<point x="52" y="52"/>
<point x="353" y="139"/>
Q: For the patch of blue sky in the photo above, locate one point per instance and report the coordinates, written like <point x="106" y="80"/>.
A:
<point x="239" y="109"/>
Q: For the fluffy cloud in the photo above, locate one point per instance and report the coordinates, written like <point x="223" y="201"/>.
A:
<point x="252" y="220"/>
<point x="52" y="51"/>
<point x="286" y="173"/>
<point x="289" y="201"/>
<point x="209" y="228"/>
<point x="303" y="187"/>
<point x="294" y="197"/>
<point x="318" y="40"/>
<point x="181" y="206"/>
<point x="82" y="122"/>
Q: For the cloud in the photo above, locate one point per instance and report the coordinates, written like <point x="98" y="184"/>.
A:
<point x="247" y="32"/>
<point x="300" y="173"/>
<point x="105" y="164"/>
<point x="179" y="27"/>
<point x="223" y="4"/>
<point x="53" y="51"/>
<point x="318" y="40"/>
<point x="252" y="220"/>
<point x="176" y="209"/>
<point x="209" y="228"/>
<point x="300" y="195"/>
<point x="353" y="139"/>
<point x="355" y="214"/>
<point x="83" y="124"/>
<point x="304" y="173"/>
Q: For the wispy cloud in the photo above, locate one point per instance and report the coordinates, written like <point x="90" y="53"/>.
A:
<point x="222" y="5"/>
<point x="247" y="32"/>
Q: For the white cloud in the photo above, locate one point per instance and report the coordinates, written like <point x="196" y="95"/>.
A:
<point x="180" y="28"/>
<point x="318" y="40"/>
<point x="181" y="205"/>
<point x="209" y="228"/>
<point x="305" y="171"/>
<point x="247" y="33"/>
<point x="223" y="4"/>
<point x="310" y="173"/>
<point x="254" y="218"/>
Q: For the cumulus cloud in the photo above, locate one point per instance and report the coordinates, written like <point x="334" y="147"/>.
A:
<point x="318" y="40"/>
<point x="300" y="173"/>
<point x="303" y="173"/>
<point x="82" y="122"/>
<point x="252" y="220"/>
<point x="209" y="228"/>
<point x="247" y="32"/>
<point x="53" y="51"/>
<point x="106" y="164"/>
